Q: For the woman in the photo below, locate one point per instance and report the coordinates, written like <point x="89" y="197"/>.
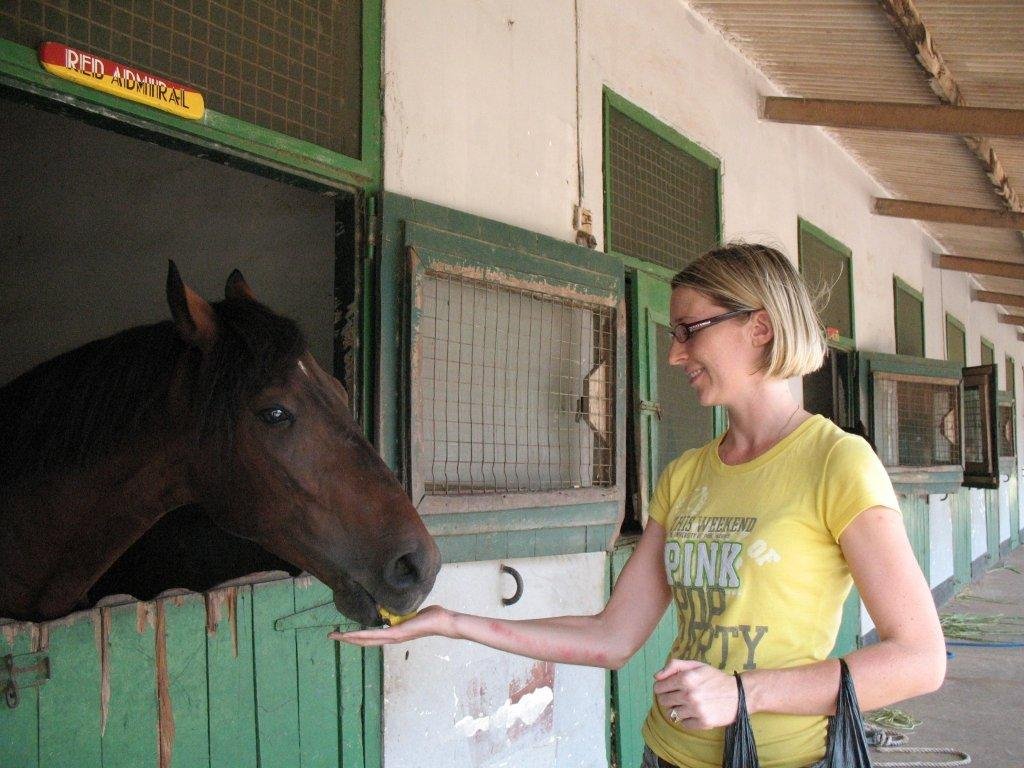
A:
<point x="755" y="536"/>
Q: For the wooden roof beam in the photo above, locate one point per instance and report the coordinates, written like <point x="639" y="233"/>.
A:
<point x="949" y="214"/>
<point x="1006" y="299"/>
<point x="980" y="266"/>
<point x="1011" y="319"/>
<point x="910" y="28"/>
<point x="891" y="116"/>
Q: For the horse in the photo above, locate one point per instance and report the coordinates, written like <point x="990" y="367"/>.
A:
<point x="220" y="409"/>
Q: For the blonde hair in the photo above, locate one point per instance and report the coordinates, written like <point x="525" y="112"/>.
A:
<point x="753" y="276"/>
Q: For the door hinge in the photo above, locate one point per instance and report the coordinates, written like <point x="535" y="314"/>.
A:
<point x="648" y="406"/>
<point x="20" y="671"/>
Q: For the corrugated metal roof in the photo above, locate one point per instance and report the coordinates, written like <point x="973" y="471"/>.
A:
<point x="848" y="49"/>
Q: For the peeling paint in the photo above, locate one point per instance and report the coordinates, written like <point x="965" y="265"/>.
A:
<point x="214" y="601"/>
<point x="527" y="711"/>
<point x="233" y="619"/>
<point x="165" y="709"/>
<point x="103" y="630"/>
<point x="143" y="617"/>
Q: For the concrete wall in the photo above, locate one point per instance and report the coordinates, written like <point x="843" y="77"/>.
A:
<point x="481" y="104"/>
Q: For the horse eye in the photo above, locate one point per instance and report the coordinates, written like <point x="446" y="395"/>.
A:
<point x="275" y="415"/>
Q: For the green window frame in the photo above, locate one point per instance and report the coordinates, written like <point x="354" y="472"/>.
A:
<point x="825" y="261"/>
<point x="987" y="353"/>
<point x="908" y="312"/>
<point x="956" y="341"/>
<point x="216" y="132"/>
<point x="421" y="240"/>
<point x="1011" y="381"/>
<point x="659" y="133"/>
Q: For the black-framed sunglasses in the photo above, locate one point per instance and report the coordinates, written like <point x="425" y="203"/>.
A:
<point x="682" y="332"/>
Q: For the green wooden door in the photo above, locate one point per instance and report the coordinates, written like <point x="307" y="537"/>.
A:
<point x="671" y="420"/>
<point x="992" y="524"/>
<point x="960" y="507"/>
<point x="632" y="686"/>
<point x="242" y="676"/>
<point x="915" y="518"/>
<point x="1012" y="493"/>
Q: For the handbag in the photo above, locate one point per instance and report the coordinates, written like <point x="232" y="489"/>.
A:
<point x="846" y="747"/>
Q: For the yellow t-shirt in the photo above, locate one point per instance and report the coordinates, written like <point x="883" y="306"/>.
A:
<point x="757" y="574"/>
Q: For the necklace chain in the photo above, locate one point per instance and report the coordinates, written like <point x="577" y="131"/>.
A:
<point x="778" y="435"/>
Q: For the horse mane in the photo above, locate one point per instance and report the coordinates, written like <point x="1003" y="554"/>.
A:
<point x="79" y="407"/>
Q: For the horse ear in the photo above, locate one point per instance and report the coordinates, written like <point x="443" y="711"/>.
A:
<point x="237" y="288"/>
<point x="193" y="316"/>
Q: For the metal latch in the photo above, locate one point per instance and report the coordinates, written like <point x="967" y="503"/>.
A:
<point x="325" y="615"/>
<point x="22" y="671"/>
<point x="648" y="406"/>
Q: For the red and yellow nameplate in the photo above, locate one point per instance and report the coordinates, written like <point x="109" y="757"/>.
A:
<point x="120" y="80"/>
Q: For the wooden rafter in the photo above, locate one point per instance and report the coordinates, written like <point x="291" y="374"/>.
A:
<point x="1006" y="299"/>
<point x="889" y="116"/>
<point x="905" y="19"/>
<point x="1011" y="319"/>
<point x="949" y="214"/>
<point x="981" y="266"/>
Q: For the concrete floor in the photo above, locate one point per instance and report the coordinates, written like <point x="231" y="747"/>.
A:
<point x="980" y="707"/>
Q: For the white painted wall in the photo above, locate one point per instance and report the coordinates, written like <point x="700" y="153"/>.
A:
<point x="979" y="540"/>
<point x="940" y="539"/>
<point x="481" y="115"/>
<point x="451" y="703"/>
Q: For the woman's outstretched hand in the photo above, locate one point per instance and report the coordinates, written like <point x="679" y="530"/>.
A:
<point x="700" y="696"/>
<point x="433" y="620"/>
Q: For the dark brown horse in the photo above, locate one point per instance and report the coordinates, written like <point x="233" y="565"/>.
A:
<point x="223" y="408"/>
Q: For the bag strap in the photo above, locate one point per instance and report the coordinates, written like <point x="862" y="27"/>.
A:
<point x="847" y="743"/>
<point x="740" y="750"/>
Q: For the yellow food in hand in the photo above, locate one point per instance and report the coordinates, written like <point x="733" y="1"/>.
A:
<point x="394" y="619"/>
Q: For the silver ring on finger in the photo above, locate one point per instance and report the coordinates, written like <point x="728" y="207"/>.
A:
<point x="673" y="715"/>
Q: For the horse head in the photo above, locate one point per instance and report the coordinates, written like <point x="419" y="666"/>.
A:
<point x="278" y="458"/>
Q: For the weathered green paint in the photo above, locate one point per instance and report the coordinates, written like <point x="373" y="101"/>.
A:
<point x="318" y="686"/>
<point x="848" y="636"/>
<point x="69" y="702"/>
<point x="19" y="727"/>
<point x="632" y="686"/>
<point x="1013" y="495"/>
<point x="960" y="507"/>
<point x="274" y="664"/>
<point x="904" y="295"/>
<point x="373" y="673"/>
<point x="288" y="696"/>
<point x="349" y="696"/>
<point x="663" y="131"/>
<point x="232" y="702"/>
<point x="131" y="722"/>
<point x="445" y="238"/>
<point x="185" y="633"/>
<point x="992" y="524"/>
<point x="956" y="340"/>
<point x="916" y="521"/>
<point x="842" y="251"/>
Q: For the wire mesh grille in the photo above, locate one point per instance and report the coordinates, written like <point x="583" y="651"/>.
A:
<point x="516" y="389"/>
<point x="293" y="67"/>
<point x="974" y="431"/>
<point x="1007" y="436"/>
<point x="956" y="344"/>
<point x="825" y="266"/>
<point x="917" y="423"/>
<point x="909" y="323"/>
<point x="663" y="203"/>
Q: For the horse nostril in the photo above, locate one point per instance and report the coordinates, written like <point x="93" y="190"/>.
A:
<point x="404" y="571"/>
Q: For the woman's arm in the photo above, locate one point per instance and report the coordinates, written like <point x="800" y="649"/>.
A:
<point x="909" y="659"/>
<point x="607" y="639"/>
